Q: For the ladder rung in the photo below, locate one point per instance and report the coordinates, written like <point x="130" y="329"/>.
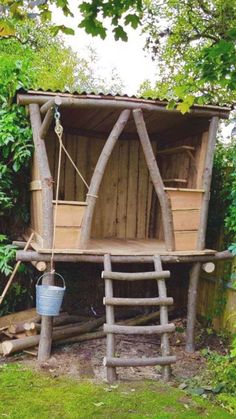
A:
<point x="138" y="330"/>
<point x="113" y="301"/>
<point x="135" y="276"/>
<point x="138" y="362"/>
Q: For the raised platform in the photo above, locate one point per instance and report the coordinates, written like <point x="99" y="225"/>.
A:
<point x="119" y="247"/>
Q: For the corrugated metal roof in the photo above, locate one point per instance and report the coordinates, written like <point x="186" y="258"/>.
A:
<point x="132" y="98"/>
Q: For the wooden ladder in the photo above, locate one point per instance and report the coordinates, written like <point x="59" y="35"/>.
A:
<point x="110" y="328"/>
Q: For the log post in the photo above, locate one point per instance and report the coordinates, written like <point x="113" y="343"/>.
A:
<point x="165" y="346"/>
<point x="167" y="218"/>
<point x="139" y="259"/>
<point x="45" y="342"/>
<point x="110" y="320"/>
<point x="195" y="271"/>
<point x="97" y="177"/>
<point x="45" y="176"/>
<point x="46" y="123"/>
<point x="47" y="217"/>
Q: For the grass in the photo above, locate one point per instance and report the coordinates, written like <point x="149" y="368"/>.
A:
<point x="25" y="394"/>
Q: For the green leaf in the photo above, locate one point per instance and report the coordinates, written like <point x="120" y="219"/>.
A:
<point x="183" y="107"/>
<point x="218" y="388"/>
<point x="6" y="28"/>
<point x="119" y="33"/>
<point x="133" y="20"/>
<point x="171" y="105"/>
<point x="197" y="390"/>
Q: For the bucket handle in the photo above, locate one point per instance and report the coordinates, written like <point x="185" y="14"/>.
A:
<point x="54" y="273"/>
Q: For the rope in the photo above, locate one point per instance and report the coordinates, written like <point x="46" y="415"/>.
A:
<point x="59" y="133"/>
<point x="72" y="162"/>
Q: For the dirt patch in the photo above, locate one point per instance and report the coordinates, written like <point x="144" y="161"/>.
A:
<point x="85" y="359"/>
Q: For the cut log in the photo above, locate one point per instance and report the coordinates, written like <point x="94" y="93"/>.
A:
<point x="99" y="258"/>
<point x="139" y="362"/>
<point x="81" y="338"/>
<point x="114" y="301"/>
<point x="138" y="320"/>
<point x="135" y="276"/>
<point x="139" y="330"/>
<point x="20" y="316"/>
<point x="17" y="345"/>
<point x="68" y="319"/>
<point x="41" y="266"/>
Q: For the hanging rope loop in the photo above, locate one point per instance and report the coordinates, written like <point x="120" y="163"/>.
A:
<point x="59" y="133"/>
<point x="58" y="127"/>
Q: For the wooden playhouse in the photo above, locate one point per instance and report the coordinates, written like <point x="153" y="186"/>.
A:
<point x="134" y="182"/>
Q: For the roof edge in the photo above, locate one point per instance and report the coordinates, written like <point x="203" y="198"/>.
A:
<point x="25" y="97"/>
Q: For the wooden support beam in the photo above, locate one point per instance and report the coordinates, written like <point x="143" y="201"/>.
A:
<point x="75" y="258"/>
<point x="135" y="276"/>
<point x="167" y="218"/>
<point x="117" y="103"/>
<point x="98" y="175"/>
<point x="138" y="330"/>
<point x="138" y="362"/>
<point x="46" y="123"/>
<point x="41" y="266"/>
<point x="110" y="319"/>
<point x="50" y="103"/>
<point x="175" y="150"/>
<point x="47" y="219"/>
<point x="195" y="271"/>
<point x="115" y="301"/>
<point x="45" y="342"/>
<point x="45" y="176"/>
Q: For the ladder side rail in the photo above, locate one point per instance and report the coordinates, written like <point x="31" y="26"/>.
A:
<point x="110" y="320"/>
<point x="165" y="345"/>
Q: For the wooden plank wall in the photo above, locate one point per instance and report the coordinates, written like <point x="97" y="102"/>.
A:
<point x="182" y="164"/>
<point x="126" y="206"/>
<point x="36" y="200"/>
<point x="124" y="201"/>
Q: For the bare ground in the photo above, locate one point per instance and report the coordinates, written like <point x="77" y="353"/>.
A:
<point x="85" y="359"/>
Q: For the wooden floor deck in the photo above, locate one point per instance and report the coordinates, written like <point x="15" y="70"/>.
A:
<point x="124" y="247"/>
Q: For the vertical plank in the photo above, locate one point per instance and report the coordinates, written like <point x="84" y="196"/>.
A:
<point x="122" y="190"/>
<point x="94" y="153"/>
<point x="132" y="189"/>
<point x="142" y="195"/>
<point x="109" y="188"/>
<point x="63" y="170"/>
<point x="150" y="196"/>
<point x="201" y="157"/>
<point x="70" y="173"/>
<point x="81" y="162"/>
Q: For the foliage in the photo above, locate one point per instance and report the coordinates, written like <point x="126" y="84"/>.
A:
<point x="15" y="299"/>
<point x="221" y="217"/>
<point x="7" y="255"/>
<point x="17" y="292"/>
<point x="193" y="43"/>
<point x="121" y="13"/>
<point x="221" y="372"/>
<point x="28" y="394"/>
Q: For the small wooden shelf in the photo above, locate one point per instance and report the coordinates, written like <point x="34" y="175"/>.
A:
<point x="175" y="150"/>
<point x="175" y="180"/>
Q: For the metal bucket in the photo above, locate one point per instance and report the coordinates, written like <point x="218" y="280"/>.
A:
<point x="49" y="297"/>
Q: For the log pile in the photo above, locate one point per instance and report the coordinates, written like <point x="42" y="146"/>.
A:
<point x="21" y="331"/>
